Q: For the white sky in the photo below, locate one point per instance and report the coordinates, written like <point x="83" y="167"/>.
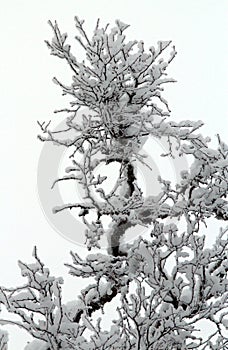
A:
<point x="198" y="28"/>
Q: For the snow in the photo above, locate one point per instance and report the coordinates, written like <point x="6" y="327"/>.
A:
<point x="165" y="282"/>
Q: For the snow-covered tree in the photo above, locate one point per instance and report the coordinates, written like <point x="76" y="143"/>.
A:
<point x="163" y="284"/>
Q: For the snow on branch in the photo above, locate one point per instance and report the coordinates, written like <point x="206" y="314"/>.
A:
<point x="114" y="69"/>
<point x="156" y="306"/>
<point x="166" y="283"/>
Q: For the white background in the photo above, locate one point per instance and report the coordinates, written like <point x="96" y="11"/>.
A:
<point x="197" y="28"/>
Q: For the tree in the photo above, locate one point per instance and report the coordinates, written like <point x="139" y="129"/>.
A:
<point x="121" y="84"/>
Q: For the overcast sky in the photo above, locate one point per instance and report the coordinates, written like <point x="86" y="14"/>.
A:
<point x="198" y="29"/>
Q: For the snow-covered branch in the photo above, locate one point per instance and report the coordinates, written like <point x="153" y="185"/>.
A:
<point x="165" y="283"/>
